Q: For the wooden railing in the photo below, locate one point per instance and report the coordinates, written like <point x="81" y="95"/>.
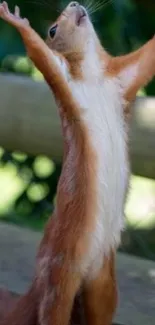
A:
<point x="29" y="122"/>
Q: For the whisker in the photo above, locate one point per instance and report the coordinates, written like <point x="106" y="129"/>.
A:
<point x="97" y="2"/>
<point x="88" y="3"/>
<point x="99" y="6"/>
<point x="101" y="3"/>
<point x="93" y="5"/>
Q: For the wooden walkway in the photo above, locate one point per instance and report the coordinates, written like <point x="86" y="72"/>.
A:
<point x="136" y="277"/>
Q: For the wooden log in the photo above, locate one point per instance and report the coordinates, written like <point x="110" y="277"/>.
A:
<point x="29" y="122"/>
<point x="143" y="137"/>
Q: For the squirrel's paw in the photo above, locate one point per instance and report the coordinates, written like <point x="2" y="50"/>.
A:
<point x="13" y="19"/>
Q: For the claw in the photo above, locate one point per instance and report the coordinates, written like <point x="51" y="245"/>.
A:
<point x="4" y="10"/>
<point x="5" y="6"/>
<point x="26" y="21"/>
<point x="13" y="19"/>
<point x="17" y="11"/>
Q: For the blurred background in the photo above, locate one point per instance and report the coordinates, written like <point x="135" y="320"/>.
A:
<point x="28" y="182"/>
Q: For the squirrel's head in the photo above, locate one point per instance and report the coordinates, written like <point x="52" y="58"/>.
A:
<point x="72" y="31"/>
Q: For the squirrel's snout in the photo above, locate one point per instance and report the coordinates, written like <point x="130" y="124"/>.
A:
<point x="74" y="4"/>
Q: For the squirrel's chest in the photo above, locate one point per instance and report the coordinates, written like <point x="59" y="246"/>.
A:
<point x="101" y="109"/>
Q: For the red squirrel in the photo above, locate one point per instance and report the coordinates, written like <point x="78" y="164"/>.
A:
<point x="93" y="91"/>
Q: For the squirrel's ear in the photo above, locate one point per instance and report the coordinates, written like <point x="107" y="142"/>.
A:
<point x="134" y="70"/>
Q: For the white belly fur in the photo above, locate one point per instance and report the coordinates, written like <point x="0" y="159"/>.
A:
<point x="102" y="111"/>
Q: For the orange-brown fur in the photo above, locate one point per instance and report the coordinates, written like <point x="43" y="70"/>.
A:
<point x="64" y="241"/>
<point x="7" y="302"/>
<point x="100" y="296"/>
<point x="146" y="59"/>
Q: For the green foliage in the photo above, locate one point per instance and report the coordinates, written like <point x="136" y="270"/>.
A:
<point x="34" y="185"/>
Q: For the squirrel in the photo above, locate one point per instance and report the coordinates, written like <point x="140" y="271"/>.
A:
<point x="93" y="91"/>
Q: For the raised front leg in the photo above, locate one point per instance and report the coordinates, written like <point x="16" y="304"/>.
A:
<point x="47" y="61"/>
<point x="134" y="70"/>
<point x="100" y="295"/>
<point x="36" y="48"/>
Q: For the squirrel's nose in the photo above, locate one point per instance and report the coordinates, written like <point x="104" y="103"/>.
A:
<point x="74" y="4"/>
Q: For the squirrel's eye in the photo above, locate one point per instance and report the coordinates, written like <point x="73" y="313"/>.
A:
<point x="52" y="31"/>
